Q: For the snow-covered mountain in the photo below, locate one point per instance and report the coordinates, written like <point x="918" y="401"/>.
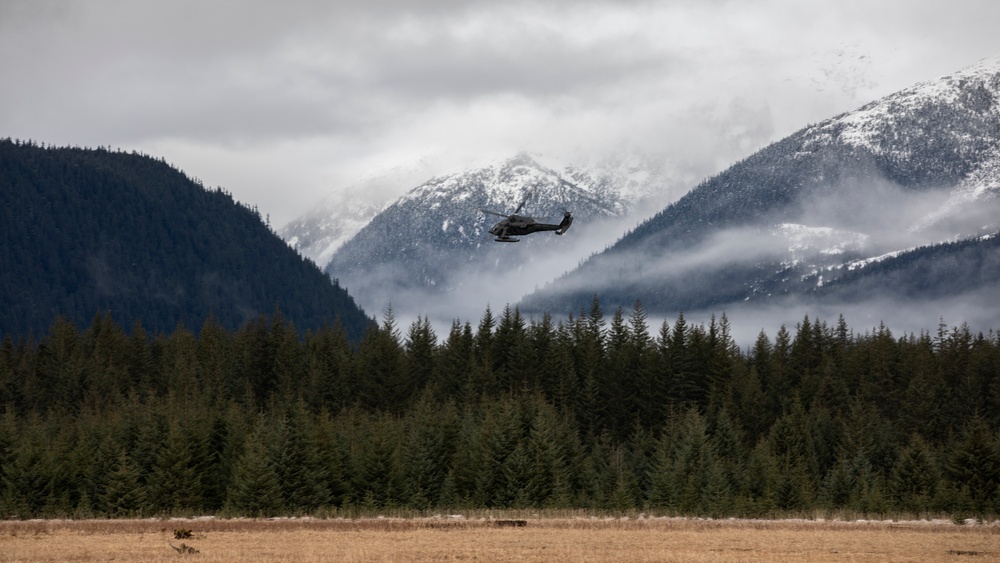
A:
<point x="896" y="184"/>
<point x="319" y="232"/>
<point x="430" y="251"/>
<point x="329" y="224"/>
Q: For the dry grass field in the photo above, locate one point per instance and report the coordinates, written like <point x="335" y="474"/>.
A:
<point x="484" y="539"/>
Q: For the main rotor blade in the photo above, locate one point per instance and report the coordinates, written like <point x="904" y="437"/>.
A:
<point x="519" y="207"/>
<point x="493" y="213"/>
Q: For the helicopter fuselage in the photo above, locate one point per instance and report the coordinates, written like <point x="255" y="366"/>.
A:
<point x="519" y="225"/>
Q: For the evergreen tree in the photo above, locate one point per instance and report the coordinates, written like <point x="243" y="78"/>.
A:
<point x="303" y="478"/>
<point x="589" y="339"/>
<point x="914" y="480"/>
<point x="385" y="384"/>
<point x="28" y="477"/>
<point x="333" y="445"/>
<point x="453" y="364"/>
<point x="419" y="350"/>
<point x="763" y="481"/>
<point x="255" y="488"/>
<point x="689" y="477"/>
<point x="486" y="361"/>
<point x="792" y="446"/>
<point x="648" y="397"/>
<point x="974" y="469"/>
<point x="616" y="384"/>
<point x="510" y="353"/>
<point x="747" y="403"/>
<point x="376" y="464"/>
<point x="778" y="382"/>
<point x="123" y="496"/>
<point x="215" y="357"/>
<point x="427" y="451"/>
<point x="173" y="485"/>
<point x="58" y="377"/>
<point x="562" y="385"/>
<point x="497" y="437"/>
<point x="620" y="482"/>
<point x="553" y="451"/>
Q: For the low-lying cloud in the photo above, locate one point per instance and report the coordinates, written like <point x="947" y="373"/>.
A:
<point x="837" y="225"/>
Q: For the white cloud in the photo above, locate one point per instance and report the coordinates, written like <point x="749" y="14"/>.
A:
<point x="284" y="103"/>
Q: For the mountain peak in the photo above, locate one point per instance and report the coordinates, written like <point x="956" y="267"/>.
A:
<point x="974" y="90"/>
<point x="916" y="170"/>
<point x="433" y="243"/>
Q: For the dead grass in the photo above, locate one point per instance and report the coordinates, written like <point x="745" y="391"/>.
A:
<point x="481" y="539"/>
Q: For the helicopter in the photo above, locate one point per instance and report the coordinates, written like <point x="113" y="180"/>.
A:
<point x="520" y="225"/>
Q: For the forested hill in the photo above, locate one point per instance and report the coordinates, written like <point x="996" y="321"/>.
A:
<point x="87" y="231"/>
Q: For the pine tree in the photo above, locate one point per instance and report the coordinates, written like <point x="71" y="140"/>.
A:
<point x="385" y="384"/>
<point x="730" y="445"/>
<point x="688" y="474"/>
<point x="289" y="363"/>
<point x="216" y="359"/>
<point x="427" y="450"/>
<point x="255" y="488"/>
<point x="483" y="381"/>
<point x="496" y="439"/>
<point x="778" y="383"/>
<point x="453" y="363"/>
<point x="376" y="463"/>
<point x="616" y="383"/>
<point x="255" y="356"/>
<point x="748" y="405"/>
<point x="589" y="340"/>
<point x="174" y="485"/>
<point x="303" y="478"/>
<point x="123" y="496"/>
<point x="792" y="445"/>
<point x="419" y="348"/>
<point x="553" y="452"/>
<point x="624" y="487"/>
<point x="105" y="369"/>
<point x="27" y="474"/>
<point x="914" y="481"/>
<point x="762" y="482"/>
<point x="974" y="469"/>
<point x="333" y="445"/>
<point x="687" y="383"/>
<point x="510" y="352"/>
<point x="58" y="378"/>
<point x="649" y="397"/>
<point x="563" y="386"/>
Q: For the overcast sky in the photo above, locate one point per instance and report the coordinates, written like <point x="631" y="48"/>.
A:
<point x="282" y="103"/>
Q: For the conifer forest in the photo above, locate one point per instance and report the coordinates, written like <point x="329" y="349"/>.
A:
<point x="597" y="411"/>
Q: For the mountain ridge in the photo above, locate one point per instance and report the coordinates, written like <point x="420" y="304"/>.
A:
<point x="931" y="179"/>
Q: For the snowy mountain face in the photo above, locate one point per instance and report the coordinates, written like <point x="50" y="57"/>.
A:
<point x="430" y="251"/>
<point x="331" y="222"/>
<point x="325" y="228"/>
<point x="810" y="214"/>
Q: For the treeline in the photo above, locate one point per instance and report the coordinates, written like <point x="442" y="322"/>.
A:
<point x="588" y="412"/>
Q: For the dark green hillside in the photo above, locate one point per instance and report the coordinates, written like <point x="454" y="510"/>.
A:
<point x="88" y="230"/>
<point x="930" y="272"/>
